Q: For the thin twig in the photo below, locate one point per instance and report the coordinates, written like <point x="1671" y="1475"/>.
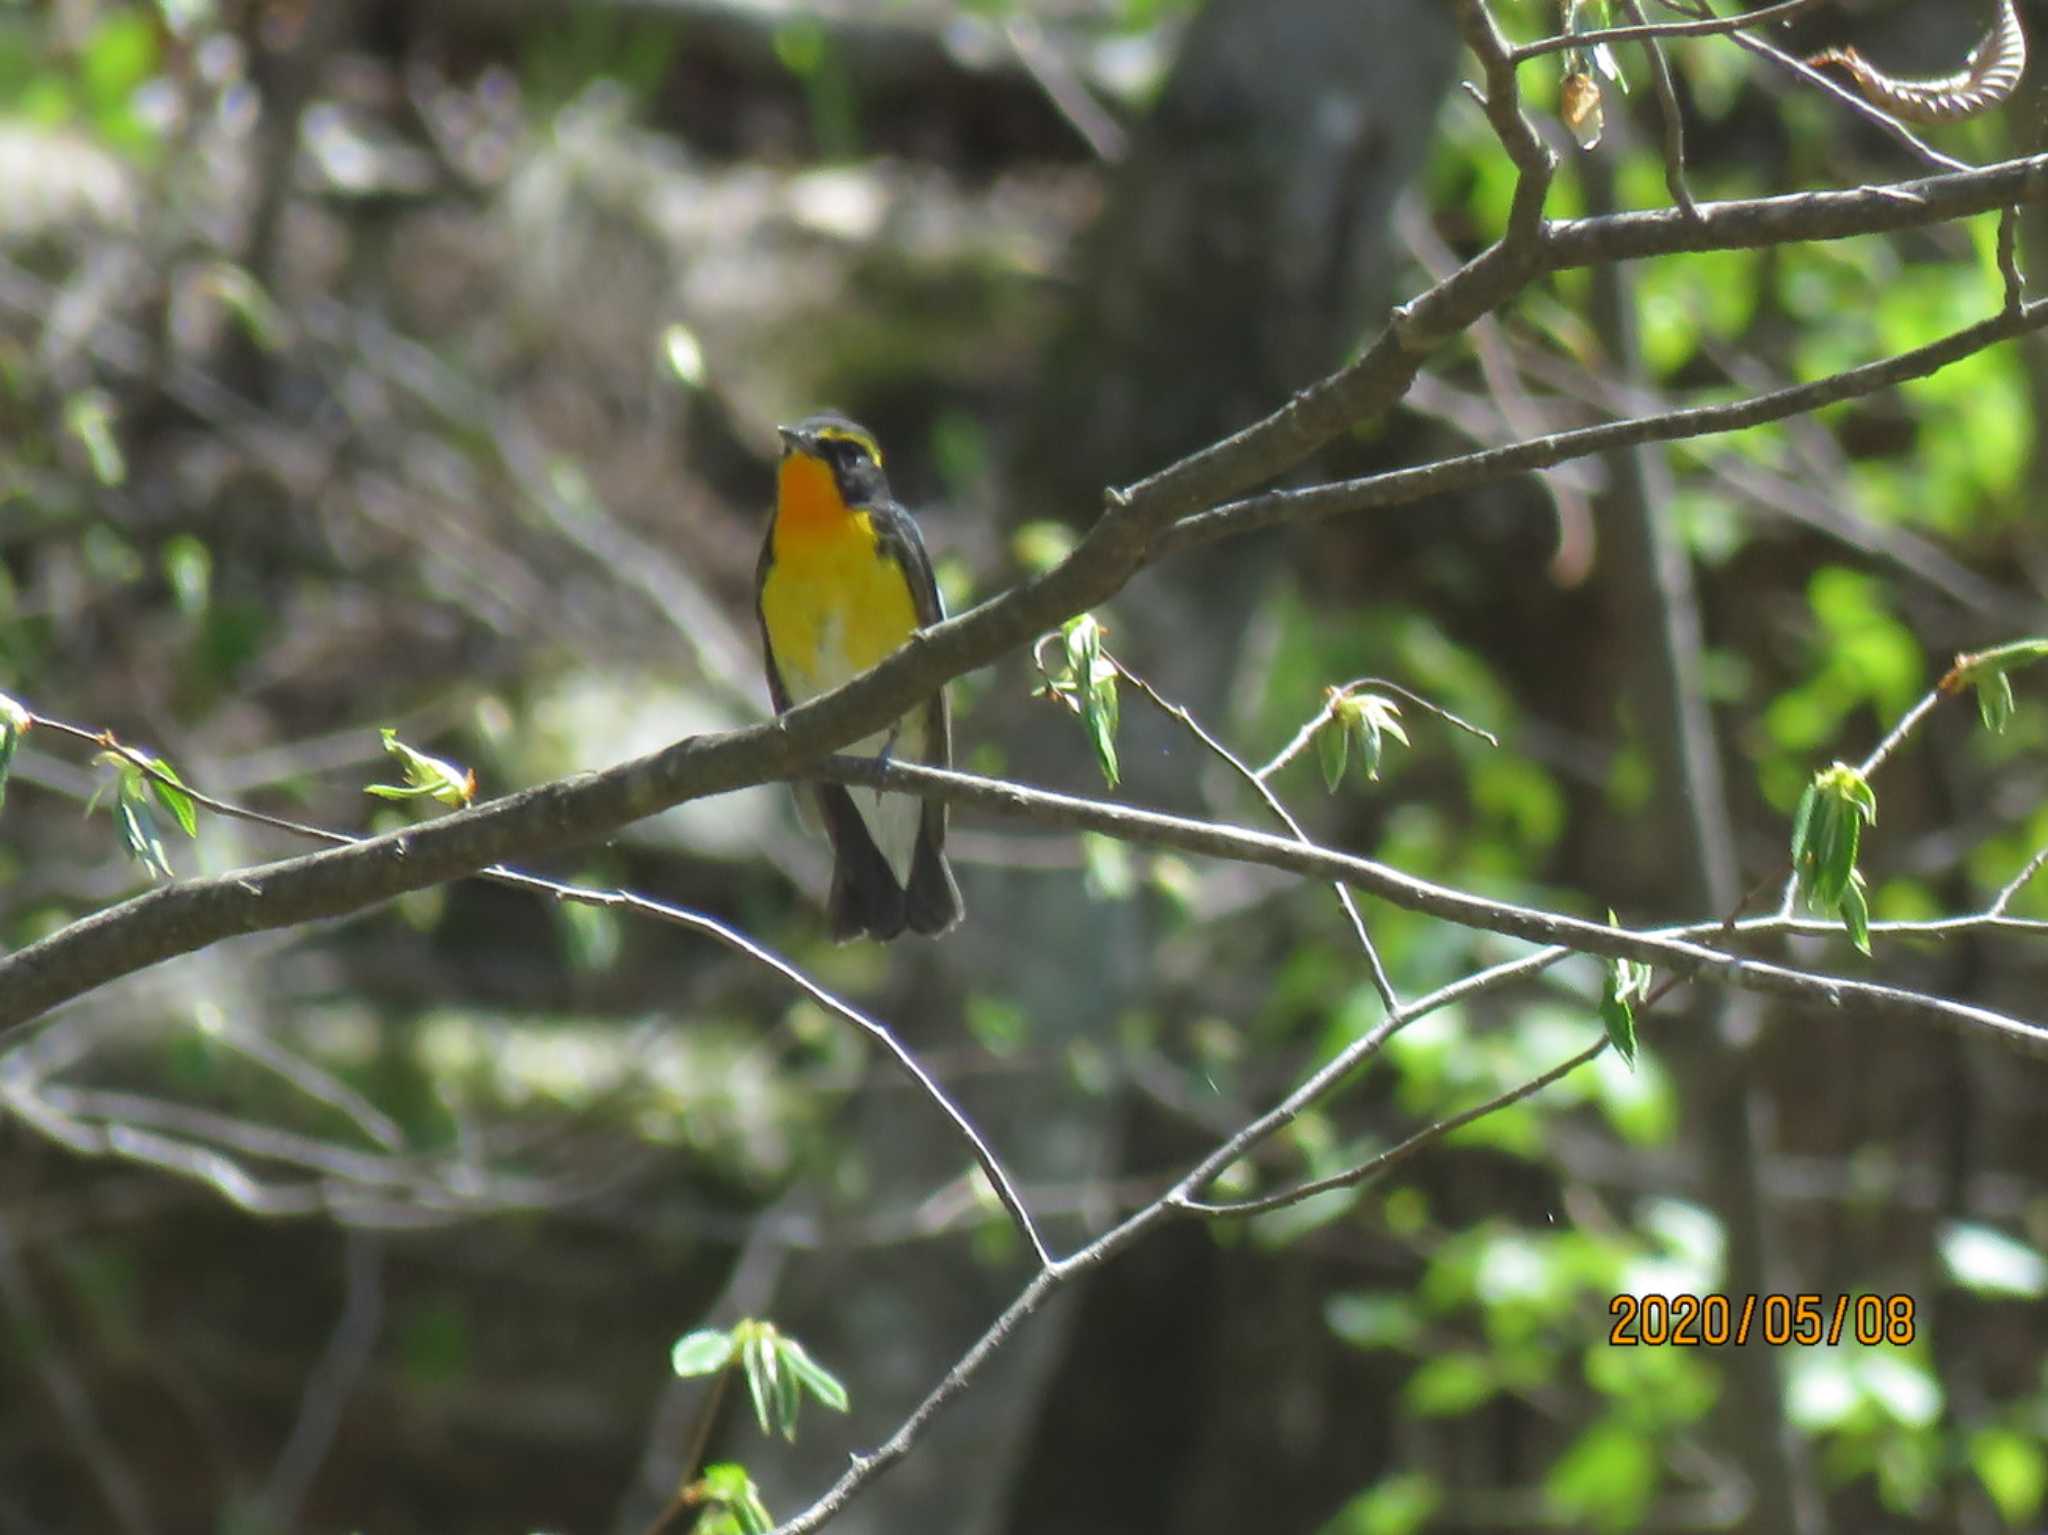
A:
<point x="1307" y="734"/>
<point x="1641" y="32"/>
<point x="1502" y="103"/>
<point x="678" y="1506"/>
<point x="2017" y="883"/>
<point x="2009" y="259"/>
<point x="332" y="1381"/>
<point x="321" y="1086"/>
<point x="1668" y="109"/>
<point x="1393" y="1156"/>
<point x="1896" y="737"/>
<point x="1382" y="982"/>
<point x="1067" y="91"/>
<point x="1879" y="118"/>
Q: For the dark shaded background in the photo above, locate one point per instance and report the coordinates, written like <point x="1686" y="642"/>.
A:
<point x="450" y="485"/>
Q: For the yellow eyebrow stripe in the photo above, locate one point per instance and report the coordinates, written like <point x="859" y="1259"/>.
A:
<point x="860" y="440"/>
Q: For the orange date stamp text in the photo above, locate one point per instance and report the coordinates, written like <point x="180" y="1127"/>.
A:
<point x="1804" y="1321"/>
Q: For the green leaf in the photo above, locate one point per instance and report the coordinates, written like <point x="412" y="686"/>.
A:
<point x="135" y="824"/>
<point x="1386" y="1319"/>
<point x="1838" y="836"/>
<point x="1107" y="872"/>
<point x="1969" y="669"/>
<point x="817" y="1380"/>
<point x="1995" y="702"/>
<point x="172" y="797"/>
<point x="1402" y="1504"/>
<point x="1099" y="719"/>
<point x="89" y="417"/>
<point x="425" y="776"/>
<point x="1620" y="1019"/>
<point x="1606" y="1477"/>
<point x="1085" y="682"/>
<point x="1333" y="749"/>
<point x="1987" y="672"/>
<point x="703" y="1352"/>
<point x="1803" y="855"/>
<point x="727" y="1487"/>
<point x="2014" y="1470"/>
<point x="758" y="1358"/>
<point x="1827" y="832"/>
<point x="1450" y="1385"/>
<point x="1093" y="679"/>
<point x="724" y="1481"/>
<point x="188" y="566"/>
<point x="1627" y="983"/>
<point x="14" y="723"/>
<point x="753" y="1513"/>
<point x="1855" y="791"/>
<point x="258" y="314"/>
<point x="1373" y="720"/>
<point x="1855" y="912"/>
<point x="789" y="1396"/>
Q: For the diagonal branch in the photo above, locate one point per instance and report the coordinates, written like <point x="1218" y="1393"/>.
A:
<point x="181" y="918"/>
<point x="1396" y="487"/>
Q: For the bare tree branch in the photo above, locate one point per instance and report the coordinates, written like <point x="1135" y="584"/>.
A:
<point x="1397" y="487"/>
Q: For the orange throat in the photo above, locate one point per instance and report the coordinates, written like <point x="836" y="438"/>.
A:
<point x="807" y="501"/>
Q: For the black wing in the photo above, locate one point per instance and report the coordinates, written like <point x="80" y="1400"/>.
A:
<point x="897" y="538"/>
<point x="777" y="693"/>
<point x="932" y="900"/>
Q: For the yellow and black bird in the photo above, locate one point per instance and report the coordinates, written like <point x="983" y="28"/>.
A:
<point x="843" y="580"/>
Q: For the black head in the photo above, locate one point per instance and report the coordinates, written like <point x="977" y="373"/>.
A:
<point x="849" y="449"/>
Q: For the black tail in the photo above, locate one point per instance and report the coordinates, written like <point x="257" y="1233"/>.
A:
<point x="932" y="903"/>
<point x="865" y="899"/>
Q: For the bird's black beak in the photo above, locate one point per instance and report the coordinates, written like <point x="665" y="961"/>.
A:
<point x="795" y="439"/>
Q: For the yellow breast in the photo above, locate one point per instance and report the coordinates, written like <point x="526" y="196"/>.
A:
<point x="832" y="605"/>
